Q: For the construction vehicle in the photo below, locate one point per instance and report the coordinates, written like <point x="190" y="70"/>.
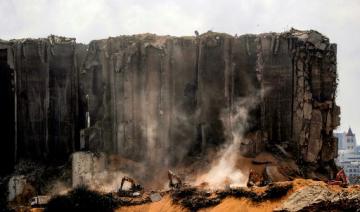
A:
<point x="174" y="180"/>
<point x="340" y="179"/>
<point x="134" y="190"/>
<point x="254" y="179"/>
<point x="39" y="201"/>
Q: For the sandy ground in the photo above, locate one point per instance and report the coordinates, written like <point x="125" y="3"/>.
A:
<point x="165" y="204"/>
<point x="231" y="204"/>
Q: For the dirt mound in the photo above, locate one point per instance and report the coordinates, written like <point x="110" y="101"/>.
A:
<point x="296" y="195"/>
<point x="278" y="196"/>
<point x="319" y="198"/>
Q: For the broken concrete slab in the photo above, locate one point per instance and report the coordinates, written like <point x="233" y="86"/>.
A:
<point x="274" y="174"/>
<point x="85" y="165"/>
<point x="16" y="186"/>
<point x="155" y="197"/>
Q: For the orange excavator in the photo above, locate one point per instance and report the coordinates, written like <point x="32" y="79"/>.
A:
<point x="254" y="179"/>
<point x="340" y="179"/>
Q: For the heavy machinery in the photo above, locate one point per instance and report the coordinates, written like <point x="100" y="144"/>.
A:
<point x="254" y="179"/>
<point x="340" y="179"/>
<point x="39" y="201"/>
<point x="134" y="190"/>
<point x="174" y="180"/>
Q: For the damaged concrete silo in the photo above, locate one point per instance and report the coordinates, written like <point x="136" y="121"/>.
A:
<point x="164" y="95"/>
<point x="160" y="98"/>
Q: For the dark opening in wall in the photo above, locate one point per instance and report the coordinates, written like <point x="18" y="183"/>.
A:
<point x="7" y="114"/>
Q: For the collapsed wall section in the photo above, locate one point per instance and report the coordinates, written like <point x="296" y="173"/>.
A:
<point x="315" y="113"/>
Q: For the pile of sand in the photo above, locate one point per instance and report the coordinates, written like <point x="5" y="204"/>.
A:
<point x="236" y="204"/>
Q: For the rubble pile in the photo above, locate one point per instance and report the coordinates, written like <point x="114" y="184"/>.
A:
<point x="82" y="199"/>
<point x="195" y="198"/>
<point x="298" y="195"/>
<point x="291" y="196"/>
<point x="319" y="198"/>
<point x="192" y="198"/>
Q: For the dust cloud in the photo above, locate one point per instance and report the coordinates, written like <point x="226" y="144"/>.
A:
<point x="223" y="170"/>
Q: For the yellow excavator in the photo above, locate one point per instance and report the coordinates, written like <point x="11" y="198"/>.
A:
<point x="135" y="188"/>
<point x="174" y="180"/>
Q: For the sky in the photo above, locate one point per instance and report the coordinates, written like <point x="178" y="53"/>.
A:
<point x="95" y="19"/>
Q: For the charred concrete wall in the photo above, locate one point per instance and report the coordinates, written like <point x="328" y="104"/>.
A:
<point x="45" y="78"/>
<point x="146" y="96"/>
<point x="7" y="110"/>
<point x="178" y="89"/>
